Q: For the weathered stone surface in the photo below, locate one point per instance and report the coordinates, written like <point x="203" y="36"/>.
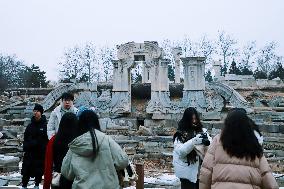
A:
<point x="144" y="131"/>
<point x="9" y="134"/>
<point x="3" y="182"/>
<point x="12" y="142"/>
<point x="8" y="149"/>
<point x="9" y="163"/>
<point x="270" y="128"/>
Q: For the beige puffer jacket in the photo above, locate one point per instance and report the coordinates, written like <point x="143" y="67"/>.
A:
<point x="220" y="171"/>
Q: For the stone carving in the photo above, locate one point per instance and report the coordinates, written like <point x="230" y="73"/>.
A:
<point x="86" y="98"/>
<point x="55" y="94"/>
<point x="159" y="103"/>
<point x="103" y="102"/>
<point x="120" y="102"/>
<point x="87" y="94"/>
<point x="194" y="99"/>
<point x="214" y="102"/>
<point x="230" y="95"/>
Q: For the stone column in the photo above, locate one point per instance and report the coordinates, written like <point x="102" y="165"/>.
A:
<point x="160" y="104"/>
<point x="194" y="83"/>
<point x="121" y="101"/>
<point x="177" y="53"/>
<point x="116" y="75"/>
<point x="145" y="74"/>
<point x="217" y="68"/>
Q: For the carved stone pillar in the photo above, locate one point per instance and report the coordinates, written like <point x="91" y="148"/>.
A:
<point x="160" y="96"/>
<point x="146" y="74"/>
<point x="194" y="83"/>
<point x="121" y="101"/>
<point x="177" y="53"/>
<point x="217" y="69"/>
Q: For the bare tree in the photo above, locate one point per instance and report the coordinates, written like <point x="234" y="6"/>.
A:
<point x="187" y="46"/>
<point x="248" y="54"/>
<point x="90" y="61"/>
<point x="267" y="57"/>
<point x="71" y="65"/>
<point x="80" y="63"/>
<point x="206" y="48"/>
<point x="226" y="46"/>
<point x="106" y="56"/>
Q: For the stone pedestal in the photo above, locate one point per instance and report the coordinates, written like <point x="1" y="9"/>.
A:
<point x="120" y="102"/>
<point x="194" y="73"/>
<point x="194" y="99"/>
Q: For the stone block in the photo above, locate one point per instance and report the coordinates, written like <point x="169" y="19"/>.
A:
<point x="27" y="121"/>
<point x="8" y="116"/>
<point x="206" y="124"/>
<point x="104" y="123"/>
<point x="8" y="149"/>
<point x="157" y="116"/>
<point x="9" y="134"/>
<point x="281" y="128"/>
<point x="271" y="128"/>
<point x="17" y="122"/>
<point x="9" y="163"/>
<point x="14" y="111"/>
<point x="12" y="142"/>
<point x="217" y="125"/>
<point x="3" y="182"/>
<point x="211" y="115"/>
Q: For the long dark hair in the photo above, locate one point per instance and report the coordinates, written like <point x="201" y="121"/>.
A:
<point x="238" y="138"/>
<point x="88" y="122"/>
<point x="67" y="129"/>
<point x="187" y="131"/>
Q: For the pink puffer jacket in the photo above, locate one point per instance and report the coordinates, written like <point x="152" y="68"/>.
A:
<point x="220" y="171"/>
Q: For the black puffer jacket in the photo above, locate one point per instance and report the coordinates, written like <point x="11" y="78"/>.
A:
<point x="35" y="141"/>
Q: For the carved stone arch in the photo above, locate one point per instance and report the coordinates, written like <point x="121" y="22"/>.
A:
<point x="86" y="94"/>
<point x="230" y="95"/>
<point x="125" y="51"/>
<point x="55" y="95"/>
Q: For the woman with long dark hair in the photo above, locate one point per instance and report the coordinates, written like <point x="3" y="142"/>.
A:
<point x="186" y="160"/>
<point x="235" y="158"/>
<point x="93" y="157"/>
<point x="57" y="149"/>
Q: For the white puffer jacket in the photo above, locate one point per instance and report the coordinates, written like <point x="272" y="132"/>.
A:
<point x="55" y="118"/>
<point x="181" y="167"/>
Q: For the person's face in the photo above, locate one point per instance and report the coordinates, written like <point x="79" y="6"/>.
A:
<point x="67" y="103"/>
<point x="194" y="120"/>
<point x="37" y="114"/>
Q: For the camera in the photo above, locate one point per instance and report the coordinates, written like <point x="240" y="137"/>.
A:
<point x="205" y="140"/>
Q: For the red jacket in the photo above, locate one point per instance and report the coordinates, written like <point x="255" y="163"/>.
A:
<point x="48" y="164"/>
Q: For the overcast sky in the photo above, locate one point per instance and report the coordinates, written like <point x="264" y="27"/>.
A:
<point x="38" y="31"/>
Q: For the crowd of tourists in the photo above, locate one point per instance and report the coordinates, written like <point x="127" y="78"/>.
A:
<point x="71" y="151"/>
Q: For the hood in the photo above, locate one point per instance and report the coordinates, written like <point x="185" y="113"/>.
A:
<point x="82" y="145"/>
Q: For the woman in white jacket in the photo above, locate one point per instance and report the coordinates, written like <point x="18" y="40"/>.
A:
<point x="186" y="160"/>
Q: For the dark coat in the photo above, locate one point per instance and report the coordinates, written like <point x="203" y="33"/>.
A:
<point x="35" y="141"/>
<point x="60" y="148"/>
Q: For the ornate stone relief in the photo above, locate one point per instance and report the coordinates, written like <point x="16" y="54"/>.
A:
<point x="103" y="102"/>
<point x="120" y="102"/>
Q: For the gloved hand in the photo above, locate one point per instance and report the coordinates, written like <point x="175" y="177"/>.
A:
<point x="197" y="139"/>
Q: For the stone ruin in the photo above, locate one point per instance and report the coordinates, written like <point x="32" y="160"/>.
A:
<point x="143" y="117"/>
